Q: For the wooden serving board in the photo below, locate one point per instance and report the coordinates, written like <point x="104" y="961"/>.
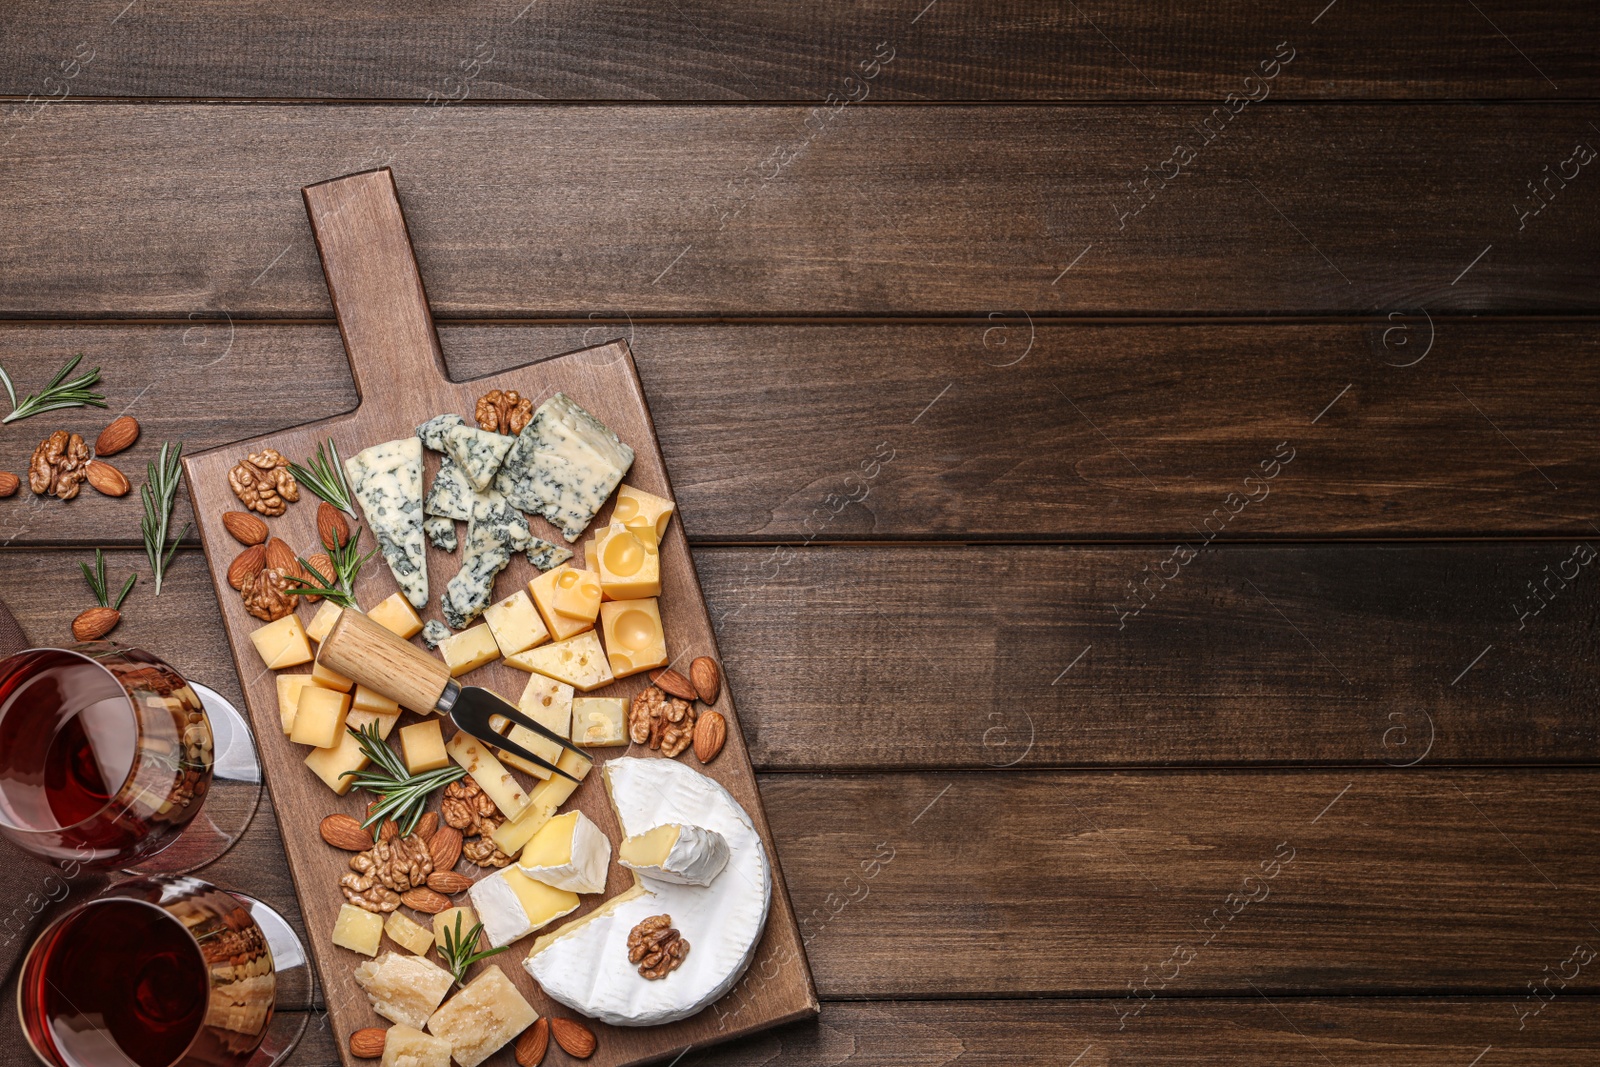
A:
<point x="400" y="376"/>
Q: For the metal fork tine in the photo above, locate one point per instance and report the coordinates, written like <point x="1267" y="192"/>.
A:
<point x="475" y="721"/>
<point x="507" y="745"/>
<point x="520" y="719"/>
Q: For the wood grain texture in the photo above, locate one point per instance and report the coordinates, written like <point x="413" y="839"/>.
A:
<point x="977" y="658"/>
<point x="887" y="211"/>
<point x="999" y="430"/>
<point x="703" y="50"/>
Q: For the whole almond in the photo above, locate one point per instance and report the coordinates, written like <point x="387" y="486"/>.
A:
<point x="332" y="526"/>
<point x="387" y="830"/>
<point x="122" y="433"/>
<point x="445" y="847"/>
<point x="533" y="1044"/>
<point x="449" y="882"/>
<point x="707" y="678"/>
<point x="246" y="528"/>
<point x="575" y="1039"/>
<point x="95" y="623"/>
<point x="324" y="568"/>
<point x="281" y="557"/>
<point x="107" y="479"/>
<point x="424" y="900"/>
<point x="246" y="565"/>
<point x="9" y="483"/>
<point x="673" y="683"/>
<point x="367" y="1044"/>
<point x="709" y="734"/>
<point x="429" y="821"/>
<point x="341" y="831"/>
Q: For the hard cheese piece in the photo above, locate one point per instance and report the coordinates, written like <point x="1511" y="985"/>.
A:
<point x="483" y="1017"/>
<point x="365" y="699"/>
<point x="330" y="764"/>
<point x="404" y="989"/>
<point x="422" y="746"/>
<point x="407" y="934"/>
<point x="358" y="929"/>
<point x="495" y="532"/>
<point x="441" y="531"/>
<point x="360" y="720"/>
<point x="675" y="852"/>
<point x="564" y="465"/>
<point x="599" y="722"/>
<point x="570" y="853"/>
<point x="319" y="717"/>
<point x="511" y="905"/>
<point x="488" y="772"/>
<point x="478" y="453"/>
<point x="397" y="616"/>
<point x="634" y="639"/>
<point x="330" y="679"/>
<point x="515" y="624"/>
<point x="544" y="555"/>
<point x="282" y="644"/>
<point x="543" y="591"/>
<point x="579" y="661"/>
<point x="406" y="1046"/>
<point x="577" y="595"/>
<point x="543" y="802"/>
<point x="327" y="614"/>
<point x="628" y="561"/>
<point x="387" y="480"/>
<point x="469" y="650"/>
<point x="452" y="919"/>
<point x="289" y="686"/>
<point x="638" y="509"/>
<point x="434" y="633"/>
<point x="584" y="964"/>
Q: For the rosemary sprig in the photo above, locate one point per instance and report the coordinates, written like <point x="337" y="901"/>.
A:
<point x="460" y="951"/>
<point x="159" y="491"/>
<point x="60" y="393"/>
<point x="339" y="586"/>
<point x="97" y="582"/>
<point x="326" y="479"/>
<point x="401" y="794"/>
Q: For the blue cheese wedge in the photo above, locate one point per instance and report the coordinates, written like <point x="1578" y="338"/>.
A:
<point x="477" y="452"/>
<point x="563" y="466"/>
<point x="544" y="555"/>
<point x="387" y="480"/>
<point x="432" y="432"/>
<point x="441" y="532"/>
<point x="433" y="632"/>
<point x="495" y="532"/>
<point x="451" y="495"/>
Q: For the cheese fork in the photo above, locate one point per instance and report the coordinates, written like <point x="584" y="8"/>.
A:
<point x="377" y="658"/>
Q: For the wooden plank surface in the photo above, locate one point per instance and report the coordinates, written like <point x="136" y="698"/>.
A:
<point x="700" y="50"/>
<point x="978" y="658"/>
<point x="878" y="211"/>
<point x="999" y="430"/>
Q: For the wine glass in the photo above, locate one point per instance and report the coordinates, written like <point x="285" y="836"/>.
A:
<point x="109" y="758"/>
<point x="165" y="971"/>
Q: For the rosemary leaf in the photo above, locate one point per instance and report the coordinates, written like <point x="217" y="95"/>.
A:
<point x="401" y="794"/>
<point x="326" y="479"/>
<point x="159" y="492"/>
<point x="60" y="393"/>
<point x="460" y="951"/>
<point x="97" y="582"/>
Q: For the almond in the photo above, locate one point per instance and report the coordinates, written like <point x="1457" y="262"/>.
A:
<point x="332" y="526"/>
<point x="445" y="847"/>
<point x="368" y="1044"/>
<point x="709" y="735"/>
<point x="533" y="1043"/>
<point x="95" y="623"/>
<point x="387" y="830"/>
<point x="246" y="565"/>
<point x="107" y="479"/>
<point x="575" y="1039"/>
<point x="121" y="434"/>
<point x="707" y="678"/>
<point x="324" y="568"/>
<point x="449" y="882"/>
<point x="424" y="900"/>
<point x="9" y="483"/>
<point x="341" y="831"/>
<point x="429" y="821"/>
<point x="673" y="683"/>
<point x="245" y="527"/>
<point x="281" y="557"/>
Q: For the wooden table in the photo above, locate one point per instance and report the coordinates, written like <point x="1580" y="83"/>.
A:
<point x="1147" y="529"/>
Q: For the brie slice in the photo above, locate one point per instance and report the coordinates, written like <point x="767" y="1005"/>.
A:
<point x="511" y="905"/>
<point x="673" y="852"/>
<point x="570" y="853"/>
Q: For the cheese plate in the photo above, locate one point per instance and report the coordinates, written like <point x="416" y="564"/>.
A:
<point x="531" y="501"/>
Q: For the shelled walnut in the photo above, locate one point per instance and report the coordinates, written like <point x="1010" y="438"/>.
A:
<point x="467" y="808"/>
<point x="265" y="595"/>
<point x="385" y="871"/>
<point x="505" y="412"/>
<point x="59" y="465"/>
<point x="657" y="947"/>
<point x="662" y="722"/>
<point x="262" y="482"/>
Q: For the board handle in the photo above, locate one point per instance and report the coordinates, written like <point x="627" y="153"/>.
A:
<point x="375" y="657"/>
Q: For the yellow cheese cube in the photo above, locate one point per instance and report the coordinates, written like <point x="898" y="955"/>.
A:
<point x="283" y="643"/>
<point x="406" y="1046"/>
<point x="329" y="764"/>
<point x="579" y="661"/>
<point x="327" y="614"/>
<point x="577" y="595"/>
<point x="488" y="772"/>
<point x="407" y="934"/>
<point x="636" y="508"/>
<point x="397" y="614"/>
<point x="543" y="802"/>
<point x="629" y="562"/>
<point x="289" y="686"/>
<point x="319" y="717"/>
<point x="469" y="650"/>
<point x="446" y="920"/>
<point x="422" y="746"/>
<point x="599" y="722"/>
<point x="543" y="591"/>
<point x="515" y="624"/>
<point x="366" y="700"/>
<point x="328" y="679"/>
<point x="358" y="930"/>
<point x="634" y="640"/>
<point x="360" y="720"/>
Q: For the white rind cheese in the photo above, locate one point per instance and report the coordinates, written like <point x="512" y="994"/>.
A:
<point x="696" y="858"/>
<point x="387" y="479"/>
<point x="585" y="870"/>
<point x="477" y="453"/>
<point x="584" y="964"/>
<point x="545" y="556"/>
<point x="564" y="465"/>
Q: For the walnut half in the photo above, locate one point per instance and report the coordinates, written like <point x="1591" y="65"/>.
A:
<point x="657" y="947"/>
<point x="59" y="465"/>
<point x="663" y="722"/>
<point x="266" y="595"/>
<point x="383" y="872"/>
<point x="262" y="482"/>
<point x="507" y="412"/>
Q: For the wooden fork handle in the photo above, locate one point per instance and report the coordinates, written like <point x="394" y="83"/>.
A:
<point x="375" y="657"/>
